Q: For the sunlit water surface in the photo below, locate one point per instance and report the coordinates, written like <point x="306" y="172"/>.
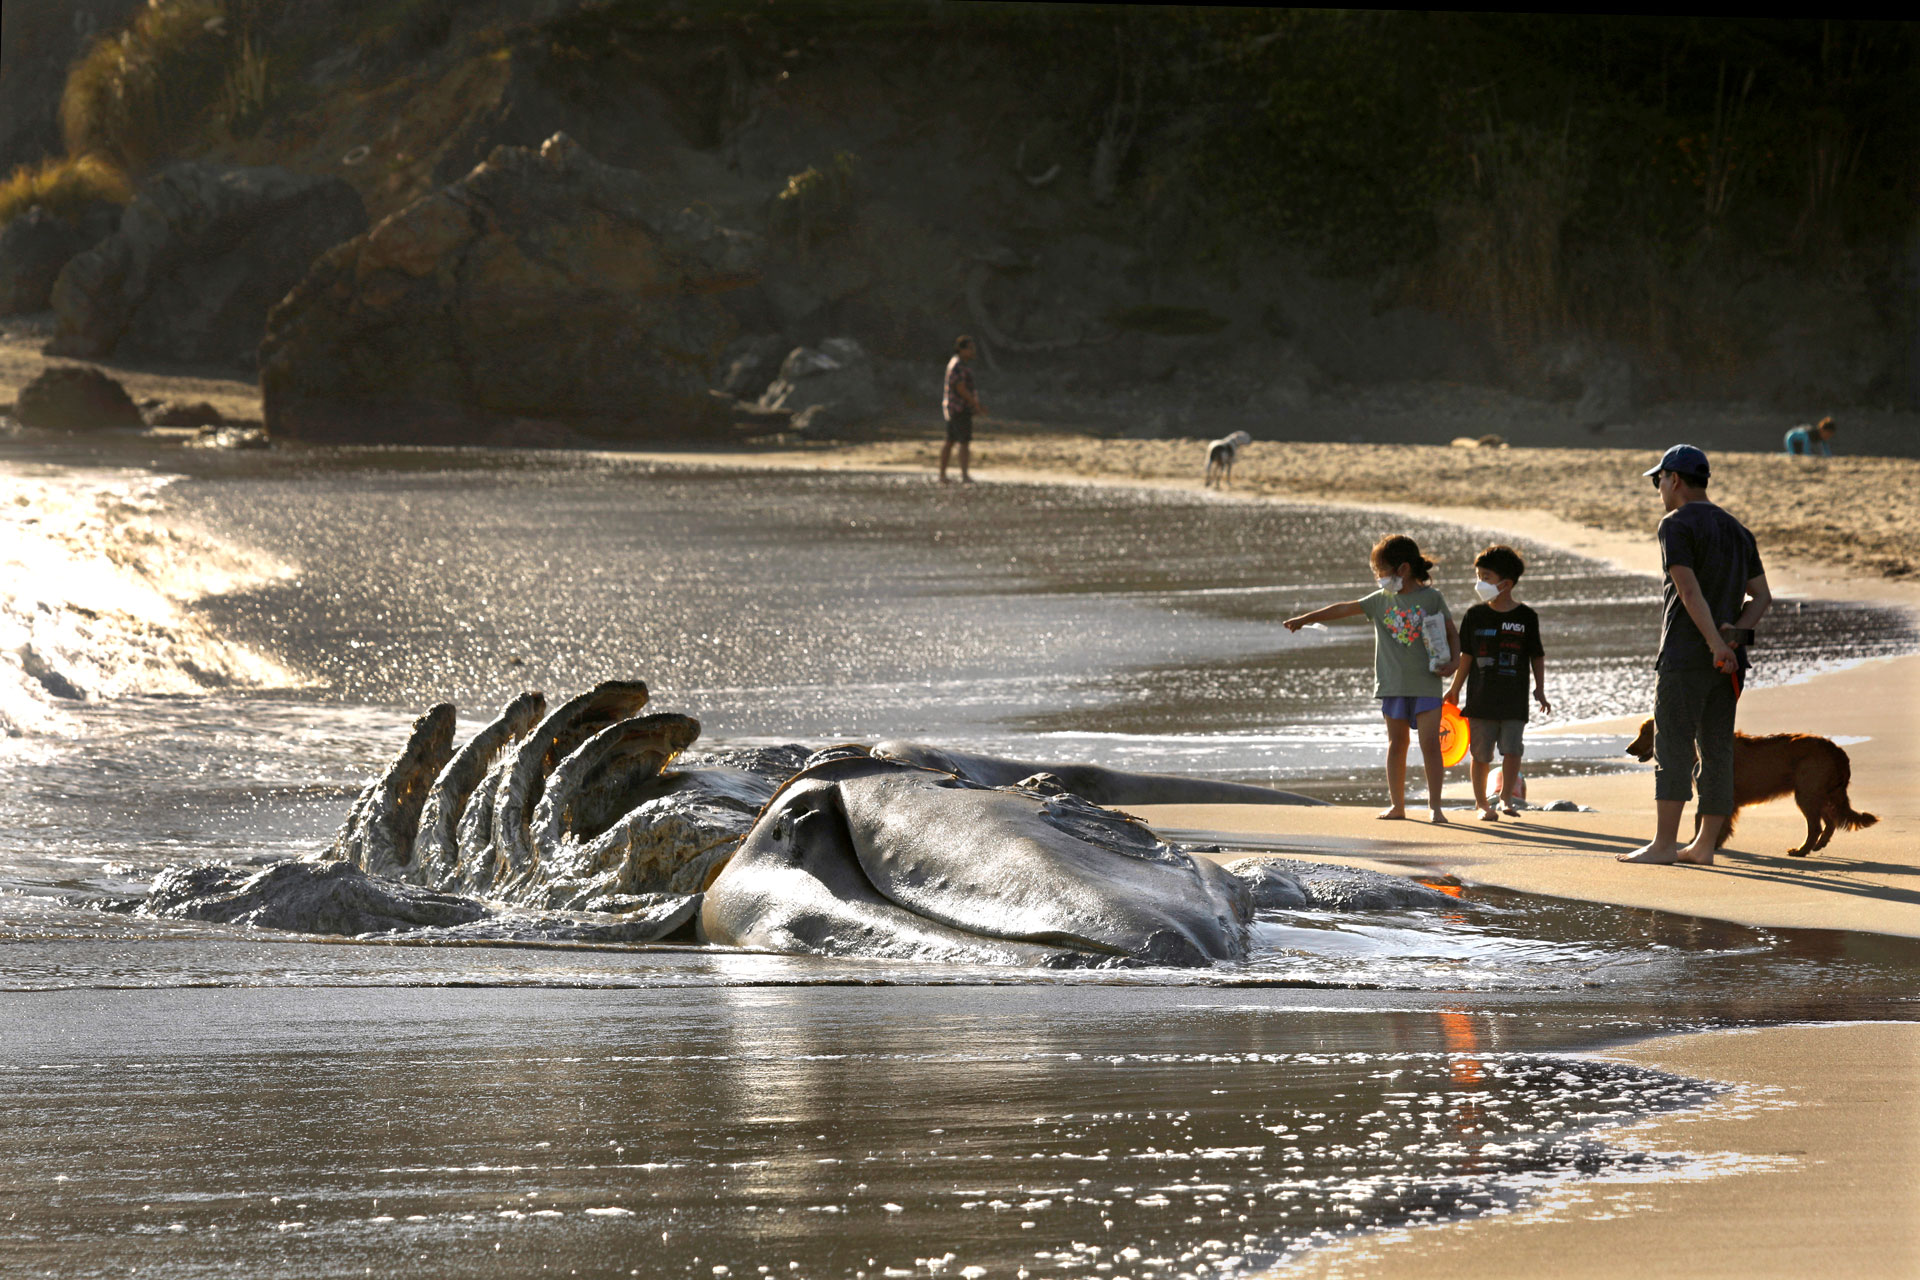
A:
<point x="255" y="633"/>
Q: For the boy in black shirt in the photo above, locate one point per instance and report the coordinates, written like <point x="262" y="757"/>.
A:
<point x="1500" y="640"/>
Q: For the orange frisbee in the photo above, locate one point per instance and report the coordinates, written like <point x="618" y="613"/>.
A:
<point x="1453" y="735"/>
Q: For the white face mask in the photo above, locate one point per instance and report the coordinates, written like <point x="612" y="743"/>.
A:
<point x="1389" y="585"/>
<point x="1484" y="589"/>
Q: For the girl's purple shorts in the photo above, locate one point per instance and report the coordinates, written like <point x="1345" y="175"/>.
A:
<point x="1408" y="709"/>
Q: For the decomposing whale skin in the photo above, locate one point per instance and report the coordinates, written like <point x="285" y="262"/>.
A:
<point x="863" y="856"/>
<point x="436" y="851"/>
<point x="378" y="835"/>
<point x="1286" y="884"/>
<point x="566" y="728"/>
<point x="312" y="897"/>
<point x="1092" y="782"/>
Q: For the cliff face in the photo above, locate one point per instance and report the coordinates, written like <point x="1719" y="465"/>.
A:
<point x="1167" y="219"/>
<point x="544" y="293"/>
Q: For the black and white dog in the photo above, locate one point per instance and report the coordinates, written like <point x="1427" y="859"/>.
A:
<point x="1220" y="456"/>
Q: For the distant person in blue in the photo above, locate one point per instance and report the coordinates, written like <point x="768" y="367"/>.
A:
<point x="1811" y="441"/>
<point x="1715" y="591"/>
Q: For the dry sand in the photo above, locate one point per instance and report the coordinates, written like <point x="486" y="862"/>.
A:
<point x="21" y="338"/>
<point x="1853" y="512"/>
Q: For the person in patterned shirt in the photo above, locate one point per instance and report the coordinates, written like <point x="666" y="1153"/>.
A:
<point x="959" y="404"/>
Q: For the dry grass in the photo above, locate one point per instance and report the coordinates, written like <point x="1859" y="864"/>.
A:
<point x="138" y="94"/>
<point x="64" y="186"/>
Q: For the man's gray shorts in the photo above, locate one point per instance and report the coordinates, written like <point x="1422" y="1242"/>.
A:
<point x="1694" y="709"/>
<point x="1484" y="735"/>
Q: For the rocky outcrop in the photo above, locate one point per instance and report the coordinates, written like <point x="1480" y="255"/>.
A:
<point x="75" y="397"/>
<point x="825" y="389"/>
<point x="37" y="244"/>
<point x="750" y="364"/>
<point x="544" y="290"/>
<point x="184" y="413"/>
<point x="201" y="255"/>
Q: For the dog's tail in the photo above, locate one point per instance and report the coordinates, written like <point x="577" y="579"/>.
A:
<point x="1844" y="816"/>
<point x="1841" y="807"/>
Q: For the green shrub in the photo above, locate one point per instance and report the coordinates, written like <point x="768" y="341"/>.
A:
<point x="815" y="200"/>
<point x="137" y="95"/>
<point x="64" y="186"/>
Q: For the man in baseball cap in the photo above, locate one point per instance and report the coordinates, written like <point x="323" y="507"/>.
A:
<point x="1683" y="460"/>
<point x="1714" y="593"/>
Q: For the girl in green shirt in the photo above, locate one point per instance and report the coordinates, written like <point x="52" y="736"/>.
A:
<point x="1407" y="683"/>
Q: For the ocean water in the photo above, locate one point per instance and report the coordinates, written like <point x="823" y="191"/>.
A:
<point x="203" y="655"/>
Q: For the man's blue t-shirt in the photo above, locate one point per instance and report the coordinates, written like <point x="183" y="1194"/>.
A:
<point x="1724" y="557"/>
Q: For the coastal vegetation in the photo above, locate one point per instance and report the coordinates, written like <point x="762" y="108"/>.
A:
<point x="1680" y="189"/>
<point x="139" y="96"/>
<point x="63" y="185"/>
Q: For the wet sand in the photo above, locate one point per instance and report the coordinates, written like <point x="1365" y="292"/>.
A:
<point x="1817" y="1149"/>
<point x="1839" y="1195"/>
<point x="1866" y="879"/>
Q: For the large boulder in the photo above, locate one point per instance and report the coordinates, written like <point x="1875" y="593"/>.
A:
<point x="75" y="397"/>
<point x="37" y="244"/>
<point x="545" y="287"/>
<point x="201" y="255"/>
<point x="835" y="382"/>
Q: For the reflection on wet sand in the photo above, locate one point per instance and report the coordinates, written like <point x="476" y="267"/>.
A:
<point x="844" y="1130"/>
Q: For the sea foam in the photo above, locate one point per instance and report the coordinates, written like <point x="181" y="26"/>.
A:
<point x="96" y="595"/>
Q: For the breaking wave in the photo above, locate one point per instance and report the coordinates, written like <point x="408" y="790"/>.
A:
<point x="96" y="589"/>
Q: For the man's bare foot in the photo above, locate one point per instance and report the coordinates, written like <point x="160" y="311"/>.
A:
<point x="1439" y="816"/>
<point x="1489" y="814"/>
<point x="1397" y="811"/>
<point x="1694" y="857"/>
<point x="1653" y="855"/>
<point x="1511" y="805"/>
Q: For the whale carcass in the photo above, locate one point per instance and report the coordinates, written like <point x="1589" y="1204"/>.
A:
<point x="593" y="820"/>
<point x="864" y="856"/>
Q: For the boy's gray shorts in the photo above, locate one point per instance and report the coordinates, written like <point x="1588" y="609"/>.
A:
<point x="1484" y="735"/>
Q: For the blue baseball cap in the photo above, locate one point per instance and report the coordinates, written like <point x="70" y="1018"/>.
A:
<point x="1683" y="458"/>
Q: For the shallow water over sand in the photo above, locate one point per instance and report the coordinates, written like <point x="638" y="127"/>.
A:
<point x="808" y="1130"/>
<point x="488" y="1110"/>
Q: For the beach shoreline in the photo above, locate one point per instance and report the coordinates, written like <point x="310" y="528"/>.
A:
<point x="1858" y="884"/>
<point x="1798" y="1169"/>
<point x="1809" y="1164"/>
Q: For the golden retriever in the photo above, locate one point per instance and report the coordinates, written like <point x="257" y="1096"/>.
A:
<point x="1813" y="770"/>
